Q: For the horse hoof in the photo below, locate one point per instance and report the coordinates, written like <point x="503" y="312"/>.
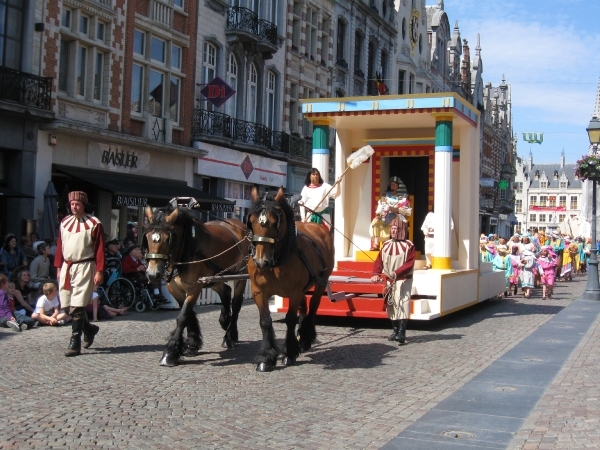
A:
<point x="165" y="361"/>
<point x="287" y="361"/>
<point x="264" y="367"/>
<point x="190" y="351"/>
<point x="228" y="343"/>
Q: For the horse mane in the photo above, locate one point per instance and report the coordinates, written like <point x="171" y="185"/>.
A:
<point x="268" y="201"/>
<point x="185" y="218"/>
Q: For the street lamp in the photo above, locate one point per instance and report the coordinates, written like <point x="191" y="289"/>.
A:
<point x="592" y="288"/>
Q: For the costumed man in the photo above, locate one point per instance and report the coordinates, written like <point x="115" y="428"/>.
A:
<point x="397" y="261"/>
<point x="314" y="207"/>
<point x="393" y="205"/>
<point x="79" y="262"/>
<point x="428" y="231"/>
<point x="558" y="247"/>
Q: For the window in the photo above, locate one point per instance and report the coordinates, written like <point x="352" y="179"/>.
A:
<point x="209" y="70"/>
<point x="401" y="81"/>
<point x="178" y="4"/>
<point x="561" y="218"/>
<point x="311" y="34"/>
<point x="174" y="94"/>
<point x="294" y="107"/>
<point x="562" y="201"/>
<point x="543" y="200"/>
<point x="341" y="38"/>
<point x="156" y="93"/>
<point x="543" y="184"/>
<point x="11" y="33"/>
<point x="542" y="218"/>
<point x="157" y="50"/>
<point x="532" y="217"/>
<point x="519" y="187"/>
<point x="502" y="194"/>
<point x="404" y="28"/>
<point x="137" y="84"/>
<point x="563" y="184"/>
<point x="411" y="83"/>
<point x="573" y="202"/>
<point x="325" y="27"/>
<point x="84" y="25"/>
<point x="518" y="206"/>
<point x="552" y="202"/>
<point x="176" y="57"/>
<point x="533" y="200"/>
<point x="296" y="26"/>
<point x="252" y="94"/>
<point x="81" y="71"/>
<point x="98" y="74"/>
<point x="270" y="103"/>
<point x="232" y="80"/>
<point x="139" y="43"/>
<point x="65" y="20"/>
<point x="307" y="126"/>
<point x="63" y="68"/>
<point x="358" y="45"/>
<point x="100" y="31"/>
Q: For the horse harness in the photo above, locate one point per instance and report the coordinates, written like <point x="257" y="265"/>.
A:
<point x="292" y="245"/>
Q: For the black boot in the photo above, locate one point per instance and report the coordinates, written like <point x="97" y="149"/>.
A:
<point x="89" y="332"/>
<point x="394" y="335"/>
<point x="78" y="315"/>
<point x="402" y="331"/>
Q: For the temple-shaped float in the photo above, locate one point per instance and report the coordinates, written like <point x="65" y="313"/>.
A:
<point x="432" y="142"/>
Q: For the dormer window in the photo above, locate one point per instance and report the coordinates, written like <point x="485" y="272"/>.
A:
<point x="543" y="184"/>
<point x="556" y="174"/>
<point x="563" y="184"/>
<point x="537" y="174"/>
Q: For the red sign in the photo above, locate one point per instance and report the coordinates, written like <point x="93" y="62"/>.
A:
<point x="217" y="91"/>
<point x="547" y="208"/>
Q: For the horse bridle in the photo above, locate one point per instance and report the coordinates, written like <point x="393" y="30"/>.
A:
<point x="262" y="219"/>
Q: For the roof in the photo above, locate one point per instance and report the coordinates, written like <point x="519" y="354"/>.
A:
<point x="549" y="169"/>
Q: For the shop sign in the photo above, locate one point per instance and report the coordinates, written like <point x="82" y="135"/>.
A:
<point x="127" y="200"/>
<point x="117" y="158"/>
<point x="217" y="207"/>
<point x="493" y="221"/>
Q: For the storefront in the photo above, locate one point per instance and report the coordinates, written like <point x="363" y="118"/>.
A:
<point x="235" y="173"/>
<point x="120" y="180"/>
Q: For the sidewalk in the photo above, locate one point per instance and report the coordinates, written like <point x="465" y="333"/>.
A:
<point x="541" y="394"/>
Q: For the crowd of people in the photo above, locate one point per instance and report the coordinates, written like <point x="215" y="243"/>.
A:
<point x="533" y="259"/>
<point x="29" y="293"/>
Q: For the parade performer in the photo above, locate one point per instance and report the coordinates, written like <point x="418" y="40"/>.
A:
<point x="397" y="261"/>
<point x="428" y="229"/>
<point x="515" y="259"/>
<point x="547" y="264"/>
<point x="502" y="262"/>
<point x="79" y="261"/>
<point x="315" y="196"/>
<point x="393" y="205"/>
<point x="528" y="266"/>
<point x="557" y="247"/>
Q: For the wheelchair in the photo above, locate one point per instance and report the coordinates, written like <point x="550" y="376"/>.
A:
<point x="120" y="290"/>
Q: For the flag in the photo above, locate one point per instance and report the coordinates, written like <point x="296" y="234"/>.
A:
<point x="533" y="138"/>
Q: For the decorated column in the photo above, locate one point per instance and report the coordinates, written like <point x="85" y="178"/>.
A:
<point x="442" y="203"/>
<point x="320" y="153"/>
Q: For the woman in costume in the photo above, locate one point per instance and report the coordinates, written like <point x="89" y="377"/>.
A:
<point x="314" y="207"/>
<point x="547" y="264"/>
<point x="393" y="205"/>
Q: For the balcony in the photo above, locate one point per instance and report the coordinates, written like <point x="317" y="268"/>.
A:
<point x="506" y="206"/>
<point x="243" y="25"/>
<point x="341" y="62"/>
<point x="25" y="89"/>
<point x="211" y="124"/>
<point x="507" y="169"/>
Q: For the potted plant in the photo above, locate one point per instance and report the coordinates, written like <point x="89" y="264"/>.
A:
<point x="588" y="167"/>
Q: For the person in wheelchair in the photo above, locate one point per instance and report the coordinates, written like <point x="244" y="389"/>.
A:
<point x="133" y="268"/>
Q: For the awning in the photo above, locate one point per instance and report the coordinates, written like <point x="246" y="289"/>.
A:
<point x="134" y="190"/>
<point x="6" y="192"/>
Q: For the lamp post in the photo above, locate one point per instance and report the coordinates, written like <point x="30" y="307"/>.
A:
<point x="592" y="288"/>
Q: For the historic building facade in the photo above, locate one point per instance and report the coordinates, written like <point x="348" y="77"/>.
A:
<point x="546" y="195"/>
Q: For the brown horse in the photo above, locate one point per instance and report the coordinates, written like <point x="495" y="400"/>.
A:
<point x="183" y="250"/>
<point x="288" y="259"/>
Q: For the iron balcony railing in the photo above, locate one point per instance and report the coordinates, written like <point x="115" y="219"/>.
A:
<point x="211" y="123"/>
<point x="506" y="205"/>
<point x="25" y="89"/>
<point x="244" y="19"/>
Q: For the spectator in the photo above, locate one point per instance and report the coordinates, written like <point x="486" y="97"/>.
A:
<point x="47" y="309"/>
<point x="96" y="311"/>
<point x="112" y="258"/>
<point x="34" y="237"/>
<point x="12" y="256"/>
<point x="133" y="268"/>
<point x="8" y="317"/>
<point x="28" y="249"/>
<point x="20" y="301"/>
<point x="22" y="285"/>
<point x="127" y="243"/>
<point x="21" y="314"/>
<point x="40" y="266"/>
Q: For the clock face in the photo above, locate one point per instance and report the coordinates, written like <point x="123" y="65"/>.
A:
<point x="414" y="29"/>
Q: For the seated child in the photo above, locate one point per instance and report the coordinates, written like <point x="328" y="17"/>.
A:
<point x="47" y="309"/>
<point x="8" y="317"/>
<point x="95" y="311"/>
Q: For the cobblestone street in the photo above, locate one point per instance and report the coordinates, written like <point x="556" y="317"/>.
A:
<point x="353" y="389"/>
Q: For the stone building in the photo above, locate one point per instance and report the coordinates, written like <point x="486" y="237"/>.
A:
<point x="546" y="195"/>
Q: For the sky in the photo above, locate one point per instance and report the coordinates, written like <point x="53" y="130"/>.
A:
<point x="549" y="53"/>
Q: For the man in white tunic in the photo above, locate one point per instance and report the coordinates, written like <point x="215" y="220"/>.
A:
<point x="397" y="261"/>
<point x="79" y="263"/>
